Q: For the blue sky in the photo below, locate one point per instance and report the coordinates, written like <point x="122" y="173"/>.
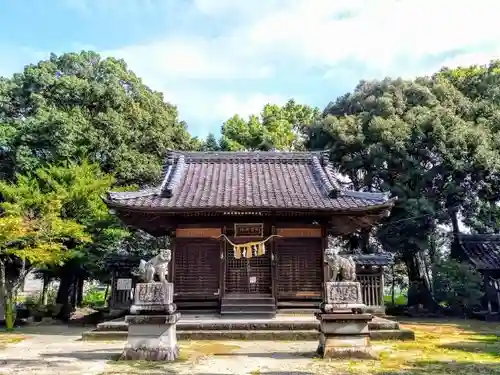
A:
<point x="215" y="58"/>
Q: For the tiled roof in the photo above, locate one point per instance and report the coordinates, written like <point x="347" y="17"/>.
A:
<point x="247" y="181"/>
<point x="483" y="250"/>
<point x="373" y="259"/>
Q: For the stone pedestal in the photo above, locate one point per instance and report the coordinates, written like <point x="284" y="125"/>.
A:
<point x="153" y="298"/>
<point x="151" y="337"/>
<point x="152" y="333"/>
<point x="343" y="325"/>
<point x="344" y="335"/>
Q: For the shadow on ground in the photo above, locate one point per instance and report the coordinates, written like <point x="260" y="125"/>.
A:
<point x="468" y="325"/>
<point x="49" y="330"/>
<point x="273" y="355"/>
<point x="443" y="367"/>
<point x="488" y="345"/>
<point x="84" y="355"/>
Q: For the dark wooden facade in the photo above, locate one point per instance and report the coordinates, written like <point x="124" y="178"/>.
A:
<point x="483" y="251"/>
<point x="209" y="199"/>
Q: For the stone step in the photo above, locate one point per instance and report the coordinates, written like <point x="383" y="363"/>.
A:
<point x="244" y="301"/>
<point x="240" y="323"/>
<point x="253" y="308"/>
<point x="282" y="335"/>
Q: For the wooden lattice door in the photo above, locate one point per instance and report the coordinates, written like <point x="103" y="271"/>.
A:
<point x="247" y="275"/>
<point x="299" y="268"/>
<point x="196" y="268"/>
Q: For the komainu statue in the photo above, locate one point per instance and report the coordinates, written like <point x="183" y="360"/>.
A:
<point x="157" y="265"/>
<point x="343" y="266"/>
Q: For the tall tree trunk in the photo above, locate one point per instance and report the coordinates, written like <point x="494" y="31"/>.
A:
<point x="455" y="251"/>
<point x="419" y="292"/>
<point x="8" y="292"/>
<point x="65" y="292"/>
<point x="45" y="289"/>
<point x="3" y="290"/>
<point x="79" y="298"/>
<point x="74" y="292"/>
<point x="10" y="311"/>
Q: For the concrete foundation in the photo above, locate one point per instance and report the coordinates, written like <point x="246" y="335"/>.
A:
<point x="344" y="335"/>
<point x="151" y="338"/>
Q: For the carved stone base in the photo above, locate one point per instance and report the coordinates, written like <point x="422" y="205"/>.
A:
<point x="343" y="296"/>
<point x="344" y="336"/>
<point x="146" y="353"/>
<point x="151" y="337"/>
<point x="150" y="298"/>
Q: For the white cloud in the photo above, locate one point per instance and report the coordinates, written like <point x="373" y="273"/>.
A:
<point x="348" y="40"/>
<point x="191" y="58"/>
<point x="203" y="107"/>
<point x="229" y="104"/>
<point x="380" y="34"/>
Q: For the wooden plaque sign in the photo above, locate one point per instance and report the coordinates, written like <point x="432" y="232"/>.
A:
<point x="123" y="284"/>
<point x="248" y="230"/>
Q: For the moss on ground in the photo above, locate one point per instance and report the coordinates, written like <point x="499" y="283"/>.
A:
<point x="10" y="338"/>
<point x="456" y="347"/>
<point x="441" y="347"/>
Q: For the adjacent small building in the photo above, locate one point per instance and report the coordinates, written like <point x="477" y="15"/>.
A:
<point x="281" y="205"/>
<point x="483" y="251"/>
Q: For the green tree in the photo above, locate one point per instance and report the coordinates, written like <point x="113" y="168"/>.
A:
<point x="280" y="127"/>
<point x="80" y="106"/>
<point x="481" y="85"/>
<point x="457" y="285"/>
<point x="415" y="140"/>
<point x="77" y="188"/>
<point x="210" y="143"/>
<point x="31" y="237"/>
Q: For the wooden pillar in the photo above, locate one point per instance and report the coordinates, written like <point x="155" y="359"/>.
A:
<point x="274" y="273"/>
<point x="222" y="273"/>
<point x="171" y="265"/>
<point x="382" y="302"/>
<point x="325" y="268"/>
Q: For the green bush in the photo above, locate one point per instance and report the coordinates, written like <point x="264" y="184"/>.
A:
<point x="399" y="300"/>
<point x="457" y="285"/>
<point x="94" y="297"/>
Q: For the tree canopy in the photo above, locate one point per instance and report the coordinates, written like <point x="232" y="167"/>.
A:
<point x="80" y="105"/>
<point x="277" y="127"/>
<point x="75" y="125"/>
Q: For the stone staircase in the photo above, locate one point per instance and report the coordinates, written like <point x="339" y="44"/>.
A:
<point x="289" y="327"/>
<point x="253" y="306"/>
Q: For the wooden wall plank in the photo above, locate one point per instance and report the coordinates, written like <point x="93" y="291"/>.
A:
<point x="299" y="232"/>
<point x="197" y="232"/>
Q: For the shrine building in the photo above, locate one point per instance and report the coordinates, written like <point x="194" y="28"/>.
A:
<point x="280" y="206"/>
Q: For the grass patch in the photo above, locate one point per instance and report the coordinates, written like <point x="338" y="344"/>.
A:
<point x="400" y="300"/>
<point x="455" y="347"/>
<point x="10" y="338"/>
<point x="459" y="348"/>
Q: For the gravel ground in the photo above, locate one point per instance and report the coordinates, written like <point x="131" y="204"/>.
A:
<point x="58" y="350"/>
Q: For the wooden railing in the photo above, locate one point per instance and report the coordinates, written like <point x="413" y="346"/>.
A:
<point x="372" y="289"/>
